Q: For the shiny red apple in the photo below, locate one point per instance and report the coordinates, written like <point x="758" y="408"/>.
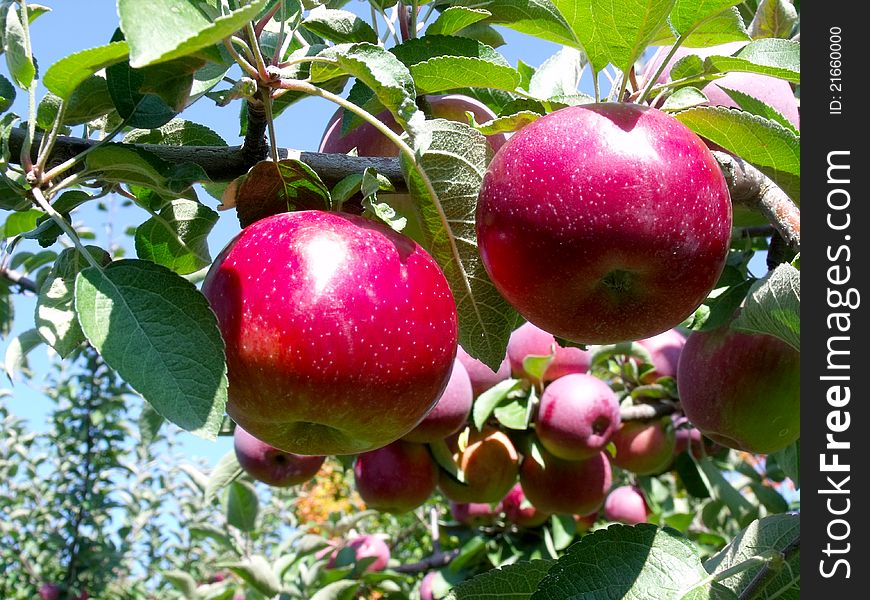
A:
<point x="340" y="333"/>
<point x="604" y="222"/>
<point x="270" y="465"/>
<point x="626" y="504"/>
<point x="450" y="413"/>
<point x="529" y="340"/>
<point x="396" y="478"/>
<point x="566" y="486"/>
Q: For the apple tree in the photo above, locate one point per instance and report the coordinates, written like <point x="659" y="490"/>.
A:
<point x="504" y="332"/>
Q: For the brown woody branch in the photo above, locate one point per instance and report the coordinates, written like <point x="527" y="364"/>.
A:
<point x="435" y="561"/>
<point x="648" y="410"/>
<point x="16" y="278"/>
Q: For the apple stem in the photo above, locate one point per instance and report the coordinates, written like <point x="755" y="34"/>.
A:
<point x="751" y="188"/>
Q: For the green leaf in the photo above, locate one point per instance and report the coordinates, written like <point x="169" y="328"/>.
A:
<point x="177" y="132"/>
<point x="514" y="414"/>
<point x="177" y="237"/>
<point x="450" y="172"/>
<point x="757" y="107"/>
<point x="182" y="582"/>
<point x="55" y="316"/>
<point x="757" y="140"/>
<point x="16" y="353"/>
<point x="470" y="552"/>
<point x="7" y="94"/>
<point x="774" y="19"/>
<point x="563" y="527"/>
<point x="642" y="561"/>
<point x="487" y="402"/>
<point x="161" y="30"/>
<point x="445" y="73"/>
<point x="271" y="188"/>
<point x="64" y="76"/>
<point x="18" y="60"/>
<point x="511" y="582"/>
<point x="156" y="329"/>
<point x="20" y="222"/>
<point x="456" y="18"/>
<point x="615" y="32"/>
<point x="789" y="460"/>
<point x="688" y="14"/>
<point x="242" y="506"/>
<point x="769" y="498"/>
<point x="343" y="589"/>
<point x="727" y="26"/>
<point x="90" y="100"/>
<point x="149" y="423"/>
<point x="773" y="306"/>
<point x="684" y="98"/>
<point x="339" y="26"/>
<point x="508" y="123"/>
<point x="769" y="536"/>
<point x="774" y="57"/>
<point x="559" y="75"/>
<point x="226" y="471"/>
<point x="539" y="18"/>
<point x="7" y="308"/>
<point x="257" y="572"/>
<point x="721" y="489"/>
<point x="137" y="166"/>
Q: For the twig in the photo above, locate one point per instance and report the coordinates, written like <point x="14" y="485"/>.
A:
<point x="648" y="411"/>
<point x="17" y="278"/>
<point x="435" y="561"/>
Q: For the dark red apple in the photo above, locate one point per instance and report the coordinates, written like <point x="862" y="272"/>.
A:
<point x="481" y="376"/>
<point x="520" y="511"/>
<point x="529" y="340"/>
<point x="451" y="411"/>
<point x="489" y="464"/>
<point x="368" y="141"/>
<point x="340" y="333"/>
<point x="664" y="349"/>
<point x="366" y="546"/>
<point x="577" y="416"/>
<point x="644" y="447"/>
<point x="396" y="478"/>
<point x="626" y="504"/>
<point x="618" y="211"/>
<point x="688" y="436"/>
<point x="566" y="486"/>
<point x="741" y="390"/>
<point x="49" y="591"/>
<point x="270" y="465"/>
<point x="475" y="514"/>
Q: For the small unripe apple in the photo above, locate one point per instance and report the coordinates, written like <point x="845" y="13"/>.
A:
<point x="664" y="349"/>
<point x="396" y="478"/>
<point x="451" y="411"/>
<point x="520" y="511"/>
<point x="489" y="464"/>
<point x="475" y="514"/>
<point x="618" y="210"/>
<point x="577" y="416"/>
<point x="270" y="465"/>
<point x="481" y="376"/>
<point x="644" y="447"/>
<point x="741" y="390"/>
<point x="566" y="486"/>
<point x="530" y="340"/>
<point x="340" y="333"/>
<point x="626" y="504"/>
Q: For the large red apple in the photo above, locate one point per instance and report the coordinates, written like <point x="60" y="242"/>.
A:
<point x="270" y="465"/>
<point x="644" y="448"/>
<point x="489" y="463"/>
<point x="481" y="376"/>
<point x="566" y="486"/>
<point x="577" y="416"/>
<point x="741" y="390"/>
<point x="520" y="511"/>
<point x="626" y="504"/>
<point x="340" y="333"/>
<point x="604" y="222"/>
<point x="368" y="141"/>
<point x="529" y="340"/>
<point x="396" y="478"/>
<point x="451" y="411"/>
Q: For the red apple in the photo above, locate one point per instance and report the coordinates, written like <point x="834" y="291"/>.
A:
<point x="741" y="390"/>
<point x="489" y="464"/>
<point x="520" y="511"/>
<point x="619" y="211"/>
<point x="49" y="591"/>
<point x="451" y="411"/>
<point x="566" y="486"/>
<point x="270" y="465"/>
<point x="688" y="437"/>
<point x="626" y="504"/>
<point x="340" y="333"/>
<point x="529" y="340"/>
<point x="481" y="376"/>
<point x="396" y="478"/>
<point x="366" y="546"/>
<point x="644" y="447"/>
<point x="577" y="416"/>
<point x="664" y="349"/>
<point x="426" y="584"/>
<point x="475" y="514"/>
<point x="368" y="141"/>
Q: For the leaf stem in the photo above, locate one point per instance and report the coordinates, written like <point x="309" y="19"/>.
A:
<point x="270" y="122"/>
<point x="240" y="60"/>
<point x="47" y="143"/>
<point x="664" y="63"/>
<point x="64" y="166"/>
<point x="26" y="163"/>
<point x="65" y="227"/>
<point x="254" y="44"/>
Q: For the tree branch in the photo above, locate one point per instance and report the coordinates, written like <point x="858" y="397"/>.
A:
<point x="648" y="410"/>
<point x="435" y="561"/>
<point x="26" y="285"/>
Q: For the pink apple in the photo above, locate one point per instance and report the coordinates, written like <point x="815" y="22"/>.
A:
<point x="605" y="222"/>
<point x="566" y="486"/>
<point x="475" y="514"/>
<point x="396" y="478"/>
<point x="49" y="591"/>
<point x="688" y="437"/>
<point x="520" y="512"/>
<point x="371" y="546"/>
<point x="664" y="349"/>
<point x="577" y="416"/>
<point x="529" y="340"/>
<point x="340" y="333"/>
<point x="644" y="447"/>
<point x="626" y="504"/>
<point x="426" y="584"/>
<point x="451" y="411"/>
<point x="270" y="465"/>
<point x="481" y="376"/>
